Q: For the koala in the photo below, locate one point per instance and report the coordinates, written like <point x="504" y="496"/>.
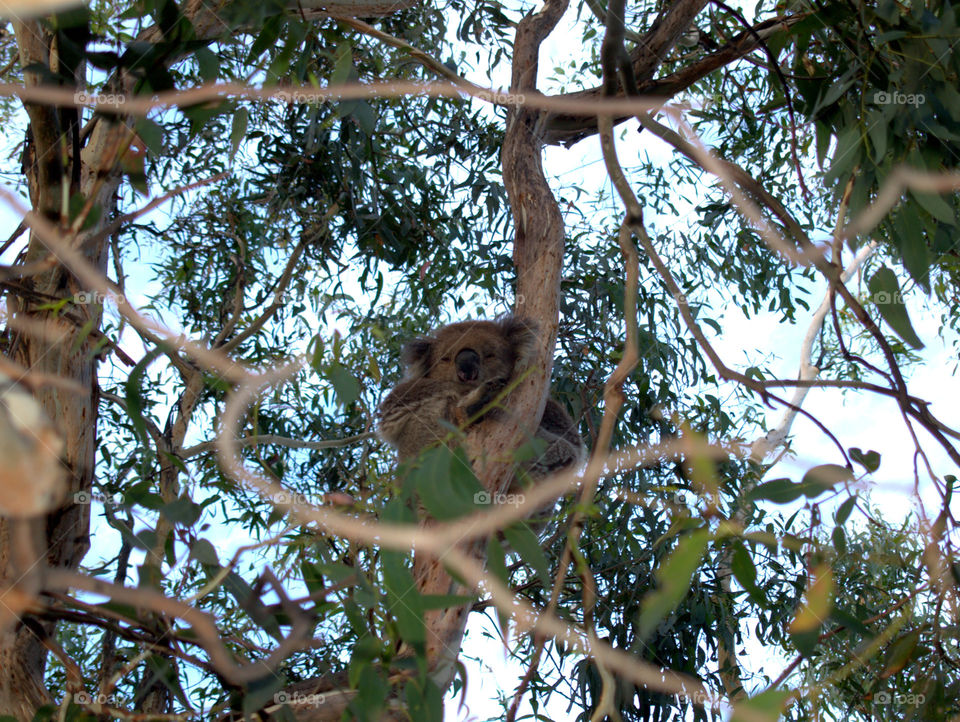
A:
<point x="453" y="376"/>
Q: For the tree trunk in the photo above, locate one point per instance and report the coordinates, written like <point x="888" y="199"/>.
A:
<point x="65" y="350"/>
<point x="538" y="255"/>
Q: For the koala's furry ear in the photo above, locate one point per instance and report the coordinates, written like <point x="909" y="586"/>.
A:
<point x="522" y="335"/>
<point x="416" y="356"/>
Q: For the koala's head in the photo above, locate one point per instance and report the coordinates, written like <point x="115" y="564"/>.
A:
<point x="472" y="352"/>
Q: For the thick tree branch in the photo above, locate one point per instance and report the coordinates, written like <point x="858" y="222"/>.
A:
<point x="672" y="23"/>
<point x="208" y="23"/>
<point x="538" y="255"/>
<point x="566" y="128"/>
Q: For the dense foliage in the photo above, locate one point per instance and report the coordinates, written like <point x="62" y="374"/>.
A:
<point x="339" y="229"/>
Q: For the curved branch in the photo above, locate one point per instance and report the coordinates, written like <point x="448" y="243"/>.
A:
<point x="208" y="446"/>
<point x="566" y="128"/>
<point x="776" y="436"/>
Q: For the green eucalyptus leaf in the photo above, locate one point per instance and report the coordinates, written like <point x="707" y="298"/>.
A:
<point x="674" y="576"/>
<point x="885" y="293"/>
<point x="869" y="460"/>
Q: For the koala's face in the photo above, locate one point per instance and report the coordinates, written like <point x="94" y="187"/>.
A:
<point x="471" y="353"/>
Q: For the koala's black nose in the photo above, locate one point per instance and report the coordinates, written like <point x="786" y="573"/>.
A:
<point x="468" y="365"/>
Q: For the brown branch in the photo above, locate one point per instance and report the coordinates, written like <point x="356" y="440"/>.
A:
<point x="140" y="105"/>
<point x="208" y="24"/>
<point x="201" y="623"/>
<point x="208" y="446"/>
<point x="693" y="327"/>
<point x="538" y="255"/>
<point x="753" y="188"/>
<point x="730" y="174"/>
<point x="425" y="59"/>
<point x="671" y="24"/>
<point x="775" y="66"/>
<point x="269" y="311"/>
<point x="153" y="203"/>
<point x="567" y="128"/>
<point x="19" y="231"/>
<point x="115" y="629"/>
<point x="808" y="253"/>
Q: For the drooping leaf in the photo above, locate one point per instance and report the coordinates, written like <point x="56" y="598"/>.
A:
<point x="913" y="246"/>
<point x="767" y="706"/>
<point x="372" y="690"/>
<point x="238" y="129"/>
<point x="151" y="133"/>
<point x="204" y="552"/>
<point x="208" y="64"/>
<point x="345" y="384"/>
<point x="497" y="566"/>
<point x="936" y="206"/>
<point x="445" y="483"/>
<point x="823" y="478"/>
<point x="674" y="576"/>
<point x="745" y="572"/>
<point x="899" y="653"/>
<point x="885" y="292"/>
<point x="843" y="512"/>
<point x="779" y="491"/>
<point x="869" y="460"/>
<point x="403" y="597"/>
<point x="135" y="403"/>
<point x="526" y="544"/>
<point x="424" y="700"/>
<point x="817" y="603"/>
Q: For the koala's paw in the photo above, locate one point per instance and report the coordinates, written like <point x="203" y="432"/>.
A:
<point x="460" y="415"/>
<point x="474" y="402"/>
